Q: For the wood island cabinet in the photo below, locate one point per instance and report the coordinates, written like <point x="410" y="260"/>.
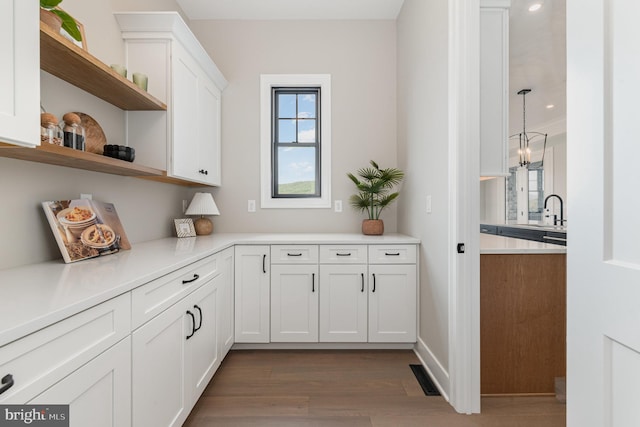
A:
<point x="522" y="322"/>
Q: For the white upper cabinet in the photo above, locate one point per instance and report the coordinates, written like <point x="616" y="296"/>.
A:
<point x="20" y="73"/>
<point x="184" y="141"/>
<point x="494" y="86"/>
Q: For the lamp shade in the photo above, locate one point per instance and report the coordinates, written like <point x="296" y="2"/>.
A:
<point x="202" y="204"/>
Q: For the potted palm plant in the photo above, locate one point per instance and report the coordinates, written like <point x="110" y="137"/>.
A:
<point x="57" y="18"/>
<point x="375" y="188"/>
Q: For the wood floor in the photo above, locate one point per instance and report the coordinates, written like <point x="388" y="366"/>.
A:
<point x="346" y="388"/>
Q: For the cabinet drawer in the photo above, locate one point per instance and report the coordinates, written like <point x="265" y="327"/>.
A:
<point x="392" y="254"/>
<point x="154" y="297"/>
<point x="294" y="254"/>
<point x="43" y="358"/>
<point x="343" y="254"/>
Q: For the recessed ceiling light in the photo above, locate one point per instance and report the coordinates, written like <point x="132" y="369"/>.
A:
<point x="535" y="7"/>
<point x="550" y="106"/>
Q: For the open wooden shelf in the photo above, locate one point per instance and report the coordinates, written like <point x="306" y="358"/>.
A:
<point x="64" y="156"/>
<point x="75" y="65"/>
<point x="65" y="60"/>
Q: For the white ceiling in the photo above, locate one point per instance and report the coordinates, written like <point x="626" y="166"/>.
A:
<point x="291" y="9"/>
<point x="537" y="44"/>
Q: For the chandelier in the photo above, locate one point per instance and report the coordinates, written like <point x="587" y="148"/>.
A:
<point x="524" y="138"/>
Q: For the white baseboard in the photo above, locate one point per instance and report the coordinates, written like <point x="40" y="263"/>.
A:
<point x="438" y="374"/>
<point x="323" y="346"/>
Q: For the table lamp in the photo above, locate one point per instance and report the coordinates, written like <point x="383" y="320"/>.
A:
<point x="202" y="204"/>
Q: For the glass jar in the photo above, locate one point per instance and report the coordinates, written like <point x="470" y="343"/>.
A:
<point x="50" y="132"/>
<point x="73" y="132"/>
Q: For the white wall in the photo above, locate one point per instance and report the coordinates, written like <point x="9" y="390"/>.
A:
<point x="145" y="208"/>
<point x="423" y="153"/>
<point x="359" y="55"/>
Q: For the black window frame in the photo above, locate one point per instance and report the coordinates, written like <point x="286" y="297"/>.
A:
<point x="276" y="144"/>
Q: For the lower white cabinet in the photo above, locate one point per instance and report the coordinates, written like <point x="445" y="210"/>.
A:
<point x="326" y="293"/>
<point x="343" y="303"/>
<point x="392" y="303"/>
<point x="252" y="293"/>
<point x="294" y="303"/>
<point x="44" y="358"/>
<point x="98" y="393"/>
<point x="174" y="356"/>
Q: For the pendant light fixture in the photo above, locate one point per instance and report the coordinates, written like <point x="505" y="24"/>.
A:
<point x="524" y="138"/>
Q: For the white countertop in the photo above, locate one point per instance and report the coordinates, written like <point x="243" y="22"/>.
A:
<point x="492" y="244"/>
<point x="35" y="296"/>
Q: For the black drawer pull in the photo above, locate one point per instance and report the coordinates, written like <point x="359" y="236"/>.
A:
<point x="195" y="277"/>
<point x="264" y="265"/>
<point x="347" y="254"/>
<point x="7" y="383"/>
<point x="392" y="254"/>
<point x="374" y="283"/>
<point x="193" y="324"/>
<point x="288" y="254"/>
<point x="362" y="288"/>
<point x="199" y="325"/>
<point x="313" y="282"/>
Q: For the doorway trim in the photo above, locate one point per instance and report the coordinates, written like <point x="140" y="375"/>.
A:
<point x="464" y="173"/>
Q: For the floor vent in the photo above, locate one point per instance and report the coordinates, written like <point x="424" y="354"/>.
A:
<point x="424" y="380"/>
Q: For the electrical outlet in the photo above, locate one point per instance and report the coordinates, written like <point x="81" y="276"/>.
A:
<point x="86" y="196"/>
<point x="337" y="205"/>
<point x="251" y="206"/>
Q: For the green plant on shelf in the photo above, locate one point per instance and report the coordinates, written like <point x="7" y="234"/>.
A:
<point x="68" y="23"/>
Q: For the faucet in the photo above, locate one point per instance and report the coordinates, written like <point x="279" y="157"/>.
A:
<point x="555" y="218"/>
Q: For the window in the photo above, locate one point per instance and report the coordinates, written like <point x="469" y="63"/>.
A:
<point x="536" y="192"/>
<point x="295" y="141"/>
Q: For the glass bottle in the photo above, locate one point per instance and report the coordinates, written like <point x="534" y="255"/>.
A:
<point x="50" y="132"/>
<point x="73" y="132"/>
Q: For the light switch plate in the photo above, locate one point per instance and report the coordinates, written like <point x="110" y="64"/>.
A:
<point x="428" y="204"/>
<point x="251" y="206"/>
<point x="86" y="196"/>
<point x="337" y="205"/>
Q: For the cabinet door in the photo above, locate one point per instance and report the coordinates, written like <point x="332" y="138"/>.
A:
<point x="158" y="368"/>
<point x="209" y="98"/>
<point x="294" y="303"/>
<point x="202" y="346"/>
<point x="19" y="73"/>
<point x="184" y="109"/>
<point x="392" y="303"/>
<point x="226" y="301"/>
<point x="494" y="85"/>
<point x="252" y="294"/>
<point x="343" y="303"/>
<point x="98" y="393"/>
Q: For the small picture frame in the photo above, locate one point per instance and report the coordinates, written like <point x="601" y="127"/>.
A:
<point x="184" y="227"/>
<point x="82" y="43"/>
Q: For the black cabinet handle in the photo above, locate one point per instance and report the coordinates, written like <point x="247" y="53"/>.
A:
<point x="313" y="282"/>
<point x="374" y="283"/>
<point x="200" y="324"/>
<point x="362" y="277"/>
<point x="193" y="324"/>
<point x="288" y="254"/>
<point x="392" y="254"/>
<point x="204" y="172"/>
<point x="347" y="254"/>
<point x="195" y="277"/>
<point x="264" y="266"/>
<point x="7" y="383"/>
